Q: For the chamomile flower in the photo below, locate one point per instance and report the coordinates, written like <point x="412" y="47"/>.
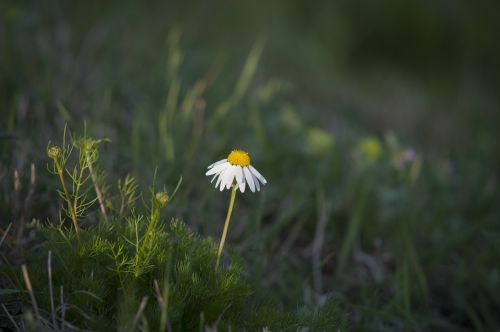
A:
<point x="236" y="169"/>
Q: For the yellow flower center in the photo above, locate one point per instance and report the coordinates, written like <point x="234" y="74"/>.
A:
<point x="239" y="157"/>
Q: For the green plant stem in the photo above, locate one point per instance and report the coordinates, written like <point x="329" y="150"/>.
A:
<point x="98" y="192"/>
<point x="226" y="224"/>
<point x="70" y="205"/>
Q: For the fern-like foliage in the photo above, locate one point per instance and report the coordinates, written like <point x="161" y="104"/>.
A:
<point x="105" y="274"/>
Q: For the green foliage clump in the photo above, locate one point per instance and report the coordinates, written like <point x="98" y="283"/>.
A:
<point x="106" y="273"/>
<point x="132" y="269"/>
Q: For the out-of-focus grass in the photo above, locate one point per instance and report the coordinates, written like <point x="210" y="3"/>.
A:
<point x="406" y="238"/>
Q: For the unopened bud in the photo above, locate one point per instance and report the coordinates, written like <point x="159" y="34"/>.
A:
<point x="53" y="152"/>
<point x="87" y="145"/>
<point x="162" y="198"/>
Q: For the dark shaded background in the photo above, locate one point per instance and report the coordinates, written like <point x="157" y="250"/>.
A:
<point x="424" y="69"/>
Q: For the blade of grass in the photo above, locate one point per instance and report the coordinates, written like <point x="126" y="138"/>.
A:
<point x="63" y="308"/>
<point x="138" y="315"/>
<point x="51" y="291"/>
<point x="353" y="229"/>
<point x="5" y="234"/>
<point x="242" y="85"/>
<point x="165" y="121"/>
<point x="30" y="290"/>
<point x="11" y="318"/>
<point x="324" y="214"/>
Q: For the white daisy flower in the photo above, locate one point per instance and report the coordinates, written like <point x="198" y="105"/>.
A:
<point x="236" y="167"/>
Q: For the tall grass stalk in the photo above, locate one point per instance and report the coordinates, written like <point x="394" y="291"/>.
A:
<point x="353" y="228"/>
<point x="241" y="86"/>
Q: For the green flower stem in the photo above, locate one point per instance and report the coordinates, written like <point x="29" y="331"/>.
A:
<point x="98" y="192"/>
<point x="68" y="200"/>
<point x="226" y="224"/>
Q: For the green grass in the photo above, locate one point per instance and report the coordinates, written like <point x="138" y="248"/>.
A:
<point x="358" y="228"/>
<point x="107" y="273"/>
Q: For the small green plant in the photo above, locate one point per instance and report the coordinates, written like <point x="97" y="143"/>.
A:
<point x="78" y="174"/>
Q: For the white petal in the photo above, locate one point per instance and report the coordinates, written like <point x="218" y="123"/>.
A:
<point x="227" y="178"/>
<point x="213" y="178"/>
<point x="257" y="184"/>
<point x="239" y="175"/>
<point x="217" y="163"/>
<point x="218" y="180"/>
<point x="242" y="186"/>
<point x="249" y="178"/>
<point x="218" y="168"/>
<point x="257" y="174"/>
<point x="222" y="185"/>
<point x="240" y="179"/>
<point x="231" y="176"/>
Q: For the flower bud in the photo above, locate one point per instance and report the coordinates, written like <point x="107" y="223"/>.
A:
<point x="162" y="198"/>
<point x="53" y="152"/>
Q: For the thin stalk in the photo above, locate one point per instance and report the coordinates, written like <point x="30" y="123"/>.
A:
<point x="98" y="192"/>
<point x="68" y="200"/>
<point x="10" y="318"/>
<point x="353" y="228"/>
<point x="29" y="287"/>
<point x="51" y="291"/>
<point x="63" y="308"/>
<point x="139" y="313"/>
<point x="77" y="184"/>
<point x="226" y="224"/>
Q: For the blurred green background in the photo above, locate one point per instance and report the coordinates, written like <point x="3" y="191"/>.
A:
<point x="375" y="124"/>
